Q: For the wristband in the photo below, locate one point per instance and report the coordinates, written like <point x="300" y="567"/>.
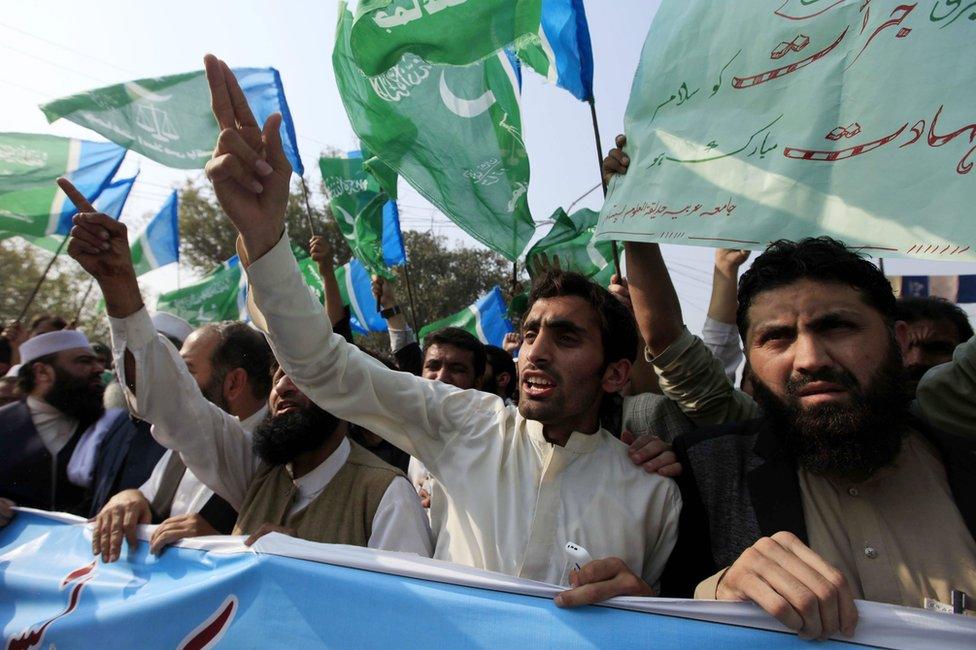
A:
<point x="390" y="312"/>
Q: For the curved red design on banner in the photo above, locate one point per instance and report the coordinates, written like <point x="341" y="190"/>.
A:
<point x="207" y="634"/>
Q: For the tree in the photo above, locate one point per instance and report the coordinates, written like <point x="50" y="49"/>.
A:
<point x="443" y="280"/>
<point x="207" y="237"/>
<point x="61" y="294"/>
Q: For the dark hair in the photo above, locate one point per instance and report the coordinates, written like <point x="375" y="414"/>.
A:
<point x="25" y="374"/>
<point x="915" y="308"/>
<point x="820" y="259"/>
<point x="6" y="352"/>
<point x="242" y="346"/>
<point x="618" y="329"/>
<point x="56" y="322"/>
<point x="463" y="340"/>
<point x="502" y="361"/>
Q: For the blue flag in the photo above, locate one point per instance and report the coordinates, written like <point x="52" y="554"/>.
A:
<point x="563" y="54"/>
<point x="487" y="319"/>
<point x="355" y="286"/>
<point x="393" y="251"/>
<point x="159" y="244"/>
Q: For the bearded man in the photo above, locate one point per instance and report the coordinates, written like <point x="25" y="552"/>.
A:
<point x="61" y="377"/>
<point x="836" y="491"/>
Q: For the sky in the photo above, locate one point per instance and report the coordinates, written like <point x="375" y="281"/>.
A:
<point x="53" y="48"/>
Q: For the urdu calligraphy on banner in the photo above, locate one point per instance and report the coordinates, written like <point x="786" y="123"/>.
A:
<point x="755" y="121"/>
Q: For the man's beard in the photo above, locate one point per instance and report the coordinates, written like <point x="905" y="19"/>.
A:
<point x="214" y="390"/>
<point x="280" y="439"/>
<point x="851" y="440"/>
<point x="76" y="397"/>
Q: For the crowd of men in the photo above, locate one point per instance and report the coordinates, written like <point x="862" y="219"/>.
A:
<point x="822" y="478"/>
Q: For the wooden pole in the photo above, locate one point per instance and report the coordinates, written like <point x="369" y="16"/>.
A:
<point x="40" y="281"/>
<point x="308" y="207"/>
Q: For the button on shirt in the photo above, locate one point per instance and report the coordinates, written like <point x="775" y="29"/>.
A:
<point x="511" y="500"/>
<point x="897" y="537"/>
<point x="215" y="446"/>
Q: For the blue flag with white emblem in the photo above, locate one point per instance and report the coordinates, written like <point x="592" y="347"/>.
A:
<point x="355" y="286"/>
<point x="563" y="53"/>
<point x="159" y="244"/>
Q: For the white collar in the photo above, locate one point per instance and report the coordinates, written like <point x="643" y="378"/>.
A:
<point x="251" y="422"/>
<point x="315" y="481"/>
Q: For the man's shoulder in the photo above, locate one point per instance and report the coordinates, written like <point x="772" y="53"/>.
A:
<point x="361" y="457"/>
<point x="13" y="412"/>
<point x="732" y="433"/>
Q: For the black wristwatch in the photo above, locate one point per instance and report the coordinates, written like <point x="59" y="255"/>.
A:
<point x="390" y="312"/>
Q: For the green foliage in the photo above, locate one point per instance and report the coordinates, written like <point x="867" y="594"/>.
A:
<point x="61" y="294"/>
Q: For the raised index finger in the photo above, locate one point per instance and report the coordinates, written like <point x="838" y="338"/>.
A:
<point x="75" y="196"/>
<point x="242" y="110"/>
<point x="220" y="102"/>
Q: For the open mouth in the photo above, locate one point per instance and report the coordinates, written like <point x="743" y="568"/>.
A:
<point x="537" y="386"/>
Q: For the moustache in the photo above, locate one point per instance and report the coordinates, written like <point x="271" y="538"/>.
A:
<point x="832" y="375"/>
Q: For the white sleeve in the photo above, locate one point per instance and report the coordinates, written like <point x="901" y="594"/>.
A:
<point x="723" y="340"/>
<point x="210" y="441"/>
<point x="151" y="486"/>
<point x="664" y="531"/>
<point x="420" y="416"/>
<point x="400" y="523"/>
<point x="400" y="339"/>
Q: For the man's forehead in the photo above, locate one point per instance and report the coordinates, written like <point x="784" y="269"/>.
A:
<point x="929" y="328"/>
<point x="73" y="354"/>
<point x="562" y="309"/>
<point x="806" y="299"/>
<point x="446" y="351"/>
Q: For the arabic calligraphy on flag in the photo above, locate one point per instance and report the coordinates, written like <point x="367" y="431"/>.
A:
<point x="753" y="122"/>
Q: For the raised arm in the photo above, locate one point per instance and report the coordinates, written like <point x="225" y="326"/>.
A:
<point x="322" y="255"/>
<point x="720" y="333"/>
<point x="157" y="385"/>
<point x="416" y="415"/>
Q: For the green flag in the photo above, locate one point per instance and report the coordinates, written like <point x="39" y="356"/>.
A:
<point x="357" y="208"/>
<point x="169" y="120"/>
<point x="31" y="203"/>
<point x="217" y="297"/>
<point x="455" y="32"/>
<point x="571" y="241"/>
<point x="750" y="122"/>
<point x="453" y="133"/>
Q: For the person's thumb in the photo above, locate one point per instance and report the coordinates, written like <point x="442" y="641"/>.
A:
<point x="274" y="150"/>
<point x="627" y="437"/>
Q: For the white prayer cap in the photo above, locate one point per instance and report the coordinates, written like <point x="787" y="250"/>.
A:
<point x="168" y="324"/>
<point x="45" y="344"/>
<point x="13" y="370"/>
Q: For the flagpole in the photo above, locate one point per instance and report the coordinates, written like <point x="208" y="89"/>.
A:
<point x="603" y="181"/>
<point x="37" y="287"/>
<point x="84" y="299"/>
<point x="413" y="311"/>
<point x="308" y="207"/>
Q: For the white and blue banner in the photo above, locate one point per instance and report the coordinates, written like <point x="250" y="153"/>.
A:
<point x="91" y="172"/>
<point x="954" y="288"/>
<point x="213" y="592"/>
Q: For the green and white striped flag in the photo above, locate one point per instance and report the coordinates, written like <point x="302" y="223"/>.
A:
<point x="487" y="319"/>
<point x="31" y="203"/>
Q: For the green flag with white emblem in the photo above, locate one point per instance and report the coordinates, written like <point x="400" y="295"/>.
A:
<point x="453" y="133"/>
<point x="218" y="296"/>
<point x="456" y="32"/>
<point x="357" y="207"/>
<point x="570" y="245"/>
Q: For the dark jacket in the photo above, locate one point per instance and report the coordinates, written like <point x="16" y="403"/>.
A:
<point x="125" y="460"/>
<point x="29" y="476"/>
<point x="738" y="484"/>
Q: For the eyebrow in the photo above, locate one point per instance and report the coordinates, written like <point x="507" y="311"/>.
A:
<point x="559" y="324"/>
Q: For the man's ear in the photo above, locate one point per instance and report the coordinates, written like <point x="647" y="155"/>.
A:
<point x="901" y="335"/>
<point x="43" y="375"/>
<point x="503" y="380"/>
<point x="616" y="376"/>
<point x="235" y="383"/>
